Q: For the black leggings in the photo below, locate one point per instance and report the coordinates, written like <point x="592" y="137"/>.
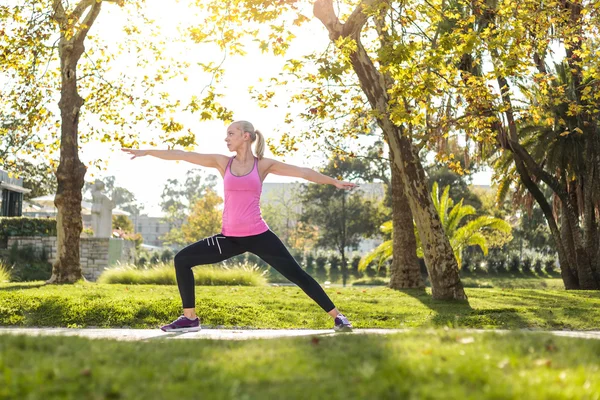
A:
<point x="266" y="245"/>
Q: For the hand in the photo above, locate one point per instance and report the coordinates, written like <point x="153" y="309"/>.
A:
<point x="345" y="185"/>
<point x="135" y="153"/>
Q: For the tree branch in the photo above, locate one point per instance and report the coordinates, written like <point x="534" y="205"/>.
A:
<point x="59" y="12"/>
<point x="88" y="21"/>
<point x="323" y="10"/>
<point x="80" y="8"/>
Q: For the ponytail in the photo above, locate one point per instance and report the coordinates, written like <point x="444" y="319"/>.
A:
<point x="255" y="134"/>
<point x="260" y="145"/>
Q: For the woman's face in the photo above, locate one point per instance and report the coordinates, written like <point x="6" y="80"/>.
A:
<point x="235" y="138"/>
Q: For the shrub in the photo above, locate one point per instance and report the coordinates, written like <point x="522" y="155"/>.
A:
<point x="354" y="267"/>
<point x="513" y="266"/>
<point x="155" y="259"/>
<point x="382" y="272"/>
<point x="206" y="275"/>
<point x="550" y="266"/>
<point x="309" y="264"/>
<point x="320" y="270"/>
<point x="369" y="281"/>
<point x="28" y="264"/>
<point x="526" y="265"/>
<point x="25" y="226"/>
<point x="334" y="267"/>
<point x="4" y="272"/>
<point x="166" y="256"/>
<point x="538" y="267"/>
<point x="370" y="270"/>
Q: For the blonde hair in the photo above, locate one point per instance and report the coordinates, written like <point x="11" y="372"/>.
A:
<point x="255" y="134"/>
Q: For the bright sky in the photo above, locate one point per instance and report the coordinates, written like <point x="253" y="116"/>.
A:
<point x="145" y="177"/>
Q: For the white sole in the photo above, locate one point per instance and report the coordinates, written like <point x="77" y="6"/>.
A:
<point x="183" y="330"/>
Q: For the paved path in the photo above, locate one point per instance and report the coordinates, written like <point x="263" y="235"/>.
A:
<point x="242" y="334"/>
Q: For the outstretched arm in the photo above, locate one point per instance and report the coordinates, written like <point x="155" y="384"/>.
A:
<point x="205" y="160"/>
<point x="283" y="169"/>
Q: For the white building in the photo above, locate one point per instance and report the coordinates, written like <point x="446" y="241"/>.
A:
<point x="152" y="228"/>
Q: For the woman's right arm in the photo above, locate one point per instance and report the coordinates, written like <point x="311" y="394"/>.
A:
<point x="218" y="161"/>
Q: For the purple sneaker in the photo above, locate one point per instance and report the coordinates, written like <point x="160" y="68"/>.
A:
<point x="183" y="324"/>
<point x="342" y="324"/>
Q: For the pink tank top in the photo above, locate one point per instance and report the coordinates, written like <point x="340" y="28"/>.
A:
<point x="241" y="213"/>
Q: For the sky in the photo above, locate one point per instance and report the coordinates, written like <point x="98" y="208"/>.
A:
<point x="145" y="177"/>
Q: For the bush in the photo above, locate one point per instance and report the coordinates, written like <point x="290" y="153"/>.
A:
<point x="334" y="268"/>
<point x="550" y="266"/>
<point x="370" y="270"/>
<point x="25" y="226"/>
<point x="497" y="261"/>
<point x="320" y="270"/>
<point x="155" y="259"/>
<point x="354" y="267"/>
<point x="4" y="272"/>
<point x="206" y="275"/>
<point x="166" y="256"/>
<point x="309" y="264"/>
<point x="537" y="266"/>
<point x="526" y="266"/>
<point x="513" y="266"/>
<point x="28" y="264"/>
<point x="369" y="281"/>
<point x="382" y="272"/>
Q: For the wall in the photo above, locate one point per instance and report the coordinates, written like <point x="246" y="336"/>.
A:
<point x="93" y="252"/>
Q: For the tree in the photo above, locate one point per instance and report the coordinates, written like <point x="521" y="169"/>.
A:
<point x="471" y="233"/>
<point x="123" y="223"/>
<point x="178" y="197"/>
<point x="343" y="219"/>
<point x="551" y="138"/>
<point x="44" y="55"/>
<point x="204" y="220"/>
<point x="281" y="211"/>
<point x="377" y="86"/>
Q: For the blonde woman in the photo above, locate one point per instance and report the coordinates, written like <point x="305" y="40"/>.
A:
<point x="243" y="228"/>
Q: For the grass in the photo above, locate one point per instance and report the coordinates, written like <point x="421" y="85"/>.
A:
<point x="518" y="282"/>
<point x="164" y="274"/>
<point x="416" y="365"/>
<point x="148" y="306"/>
<point x="505" y="281"/>
<point x="4" y="272"/>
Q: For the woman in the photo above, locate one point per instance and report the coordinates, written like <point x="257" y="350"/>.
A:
<point x="243" y="228"/>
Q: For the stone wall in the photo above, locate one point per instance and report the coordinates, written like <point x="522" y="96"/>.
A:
<point x="93" y="252"/>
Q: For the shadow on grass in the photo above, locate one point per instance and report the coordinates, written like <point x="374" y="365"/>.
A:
<point x="460" y="313"/>
<point x="22" y="286"/>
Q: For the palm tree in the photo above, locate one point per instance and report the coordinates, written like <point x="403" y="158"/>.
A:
<point x="472" y="233"/>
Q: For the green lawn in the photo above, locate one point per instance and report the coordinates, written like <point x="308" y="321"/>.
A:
<point x="505" y="281"/>
<point x="417" y="365"/>
<point x="148" y="306"/>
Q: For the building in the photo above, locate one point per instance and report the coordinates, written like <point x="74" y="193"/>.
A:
<point x="152" y="228"/>
<point x="12" y="195"/>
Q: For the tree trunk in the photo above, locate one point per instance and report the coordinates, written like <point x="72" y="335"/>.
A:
<point x="439" y="257"/>
<point x="343" y="246"/>
<point x="71" y="171"/>
<point x="405" y="272"/>
<point x="569" y="268"/>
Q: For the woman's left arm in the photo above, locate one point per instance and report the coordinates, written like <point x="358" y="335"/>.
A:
<point x="283" y="169"/>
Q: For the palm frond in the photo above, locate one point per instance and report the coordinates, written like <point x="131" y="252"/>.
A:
<point x="379" y="253"/>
